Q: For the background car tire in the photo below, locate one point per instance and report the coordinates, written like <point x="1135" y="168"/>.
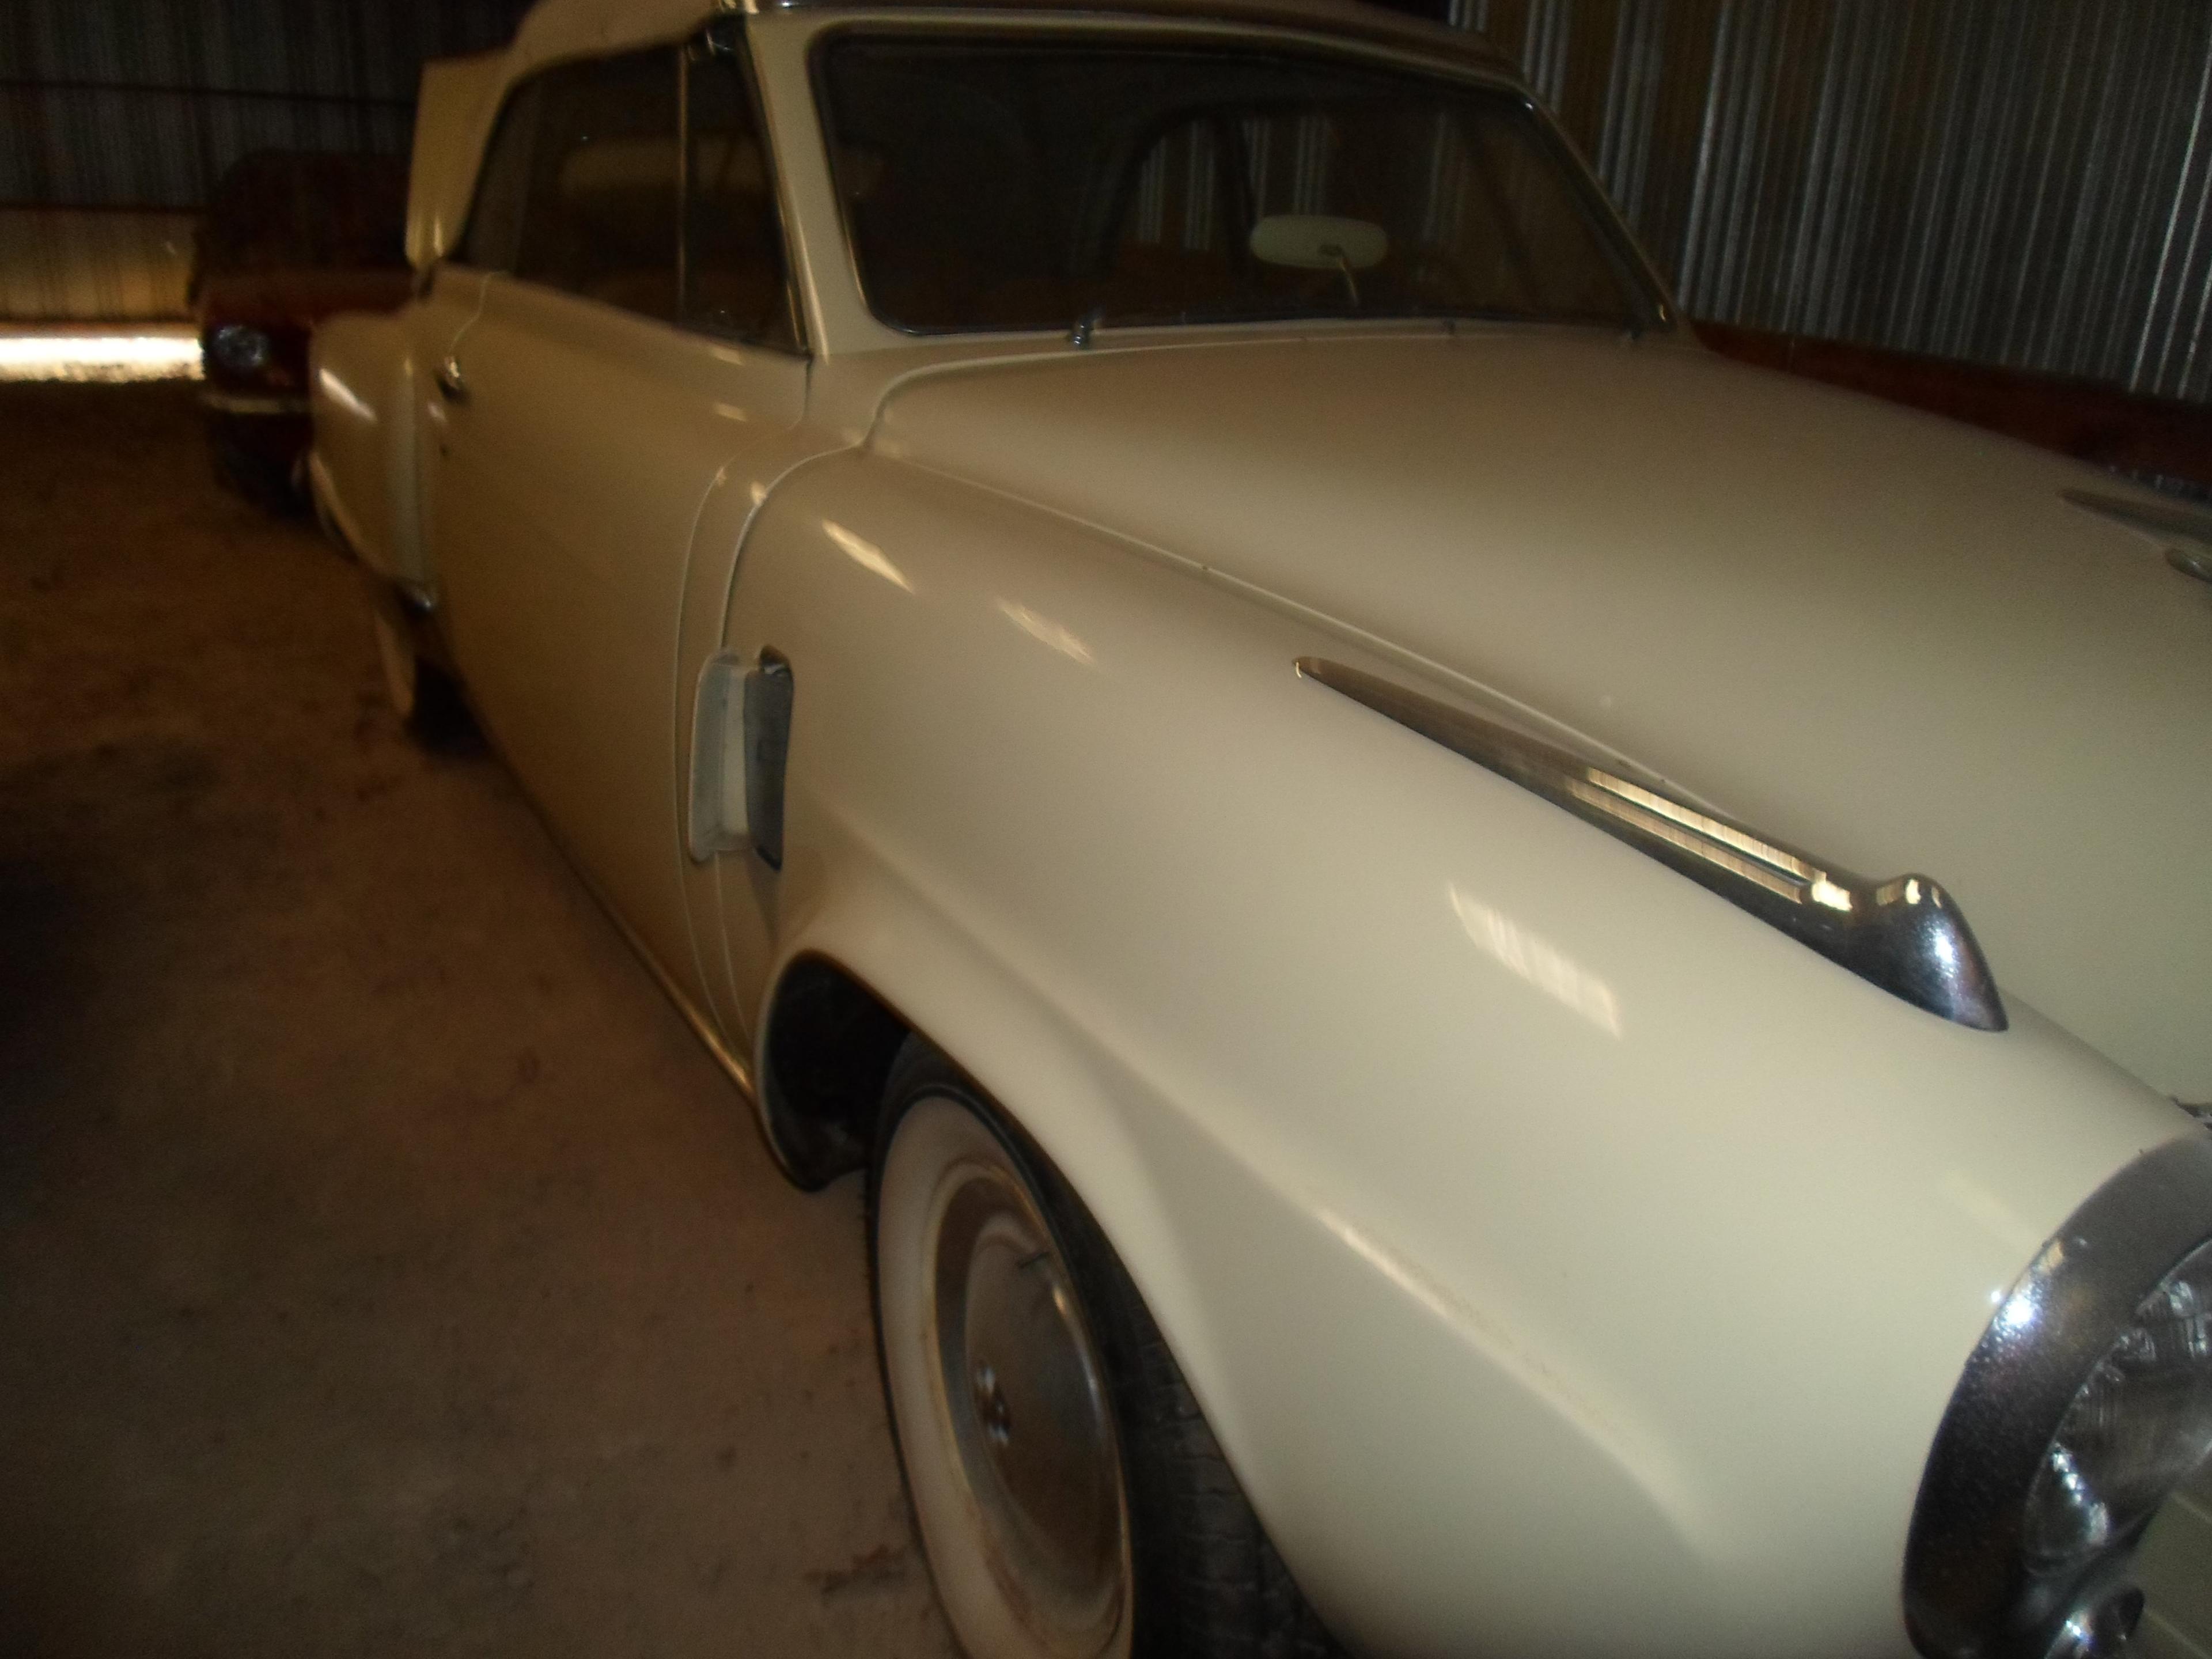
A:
<point x="423" y="695"/>
<point x="268" y="481"/>
<point x="1195" y="1577"/>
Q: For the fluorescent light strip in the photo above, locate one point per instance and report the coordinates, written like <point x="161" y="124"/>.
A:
<point x="43" y="356"/>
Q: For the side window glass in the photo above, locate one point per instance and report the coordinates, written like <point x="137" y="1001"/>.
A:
<point x="734" y="276"/>
<point x="601" y="218"/>
<point x="494" y="229"/>
<point x="1519" y="235"/>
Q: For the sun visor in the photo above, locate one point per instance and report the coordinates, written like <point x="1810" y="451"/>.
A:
<point x="450" y="123"/>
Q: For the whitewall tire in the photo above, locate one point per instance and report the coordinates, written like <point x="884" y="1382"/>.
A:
<point x="1071" y="1500"/>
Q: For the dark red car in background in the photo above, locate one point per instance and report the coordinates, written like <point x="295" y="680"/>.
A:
<point x="289" y="240"/>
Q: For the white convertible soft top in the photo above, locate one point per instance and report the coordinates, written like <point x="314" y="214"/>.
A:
<point x="461" y="95"/>
<point x="564" y="28"/>
<point x="451" y="112"/>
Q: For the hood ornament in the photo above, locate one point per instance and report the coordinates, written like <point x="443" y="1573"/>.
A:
<point x="2187" y="535"/>
<point x="1904" y="934"/>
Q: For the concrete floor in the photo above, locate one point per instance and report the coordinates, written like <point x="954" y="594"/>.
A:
<point x="384" y="1268"/>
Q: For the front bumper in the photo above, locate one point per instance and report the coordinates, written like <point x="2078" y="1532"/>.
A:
<point x="293" y="404"/>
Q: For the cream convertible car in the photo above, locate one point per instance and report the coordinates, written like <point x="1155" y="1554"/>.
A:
<point x="1149" y="621"/>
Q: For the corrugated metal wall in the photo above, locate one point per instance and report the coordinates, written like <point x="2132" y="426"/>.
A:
<point x="117" y="116"/>
<point x="2020" y="182"/>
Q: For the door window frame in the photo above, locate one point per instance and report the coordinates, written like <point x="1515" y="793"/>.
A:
<point x="720" y="42"/>
<point x="724" y="41"/>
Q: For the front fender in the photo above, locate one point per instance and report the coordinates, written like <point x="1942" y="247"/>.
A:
<point x="1568" y="1262"/>
<point x="361" y="392"/>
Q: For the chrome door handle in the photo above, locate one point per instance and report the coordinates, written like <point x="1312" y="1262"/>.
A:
<point x="450" y="386"/>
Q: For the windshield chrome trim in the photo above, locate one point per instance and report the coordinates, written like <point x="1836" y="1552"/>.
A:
<point x="1904" y="934"/>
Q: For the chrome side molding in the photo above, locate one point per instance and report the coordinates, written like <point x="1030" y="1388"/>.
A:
<point x="1904" y="934"/>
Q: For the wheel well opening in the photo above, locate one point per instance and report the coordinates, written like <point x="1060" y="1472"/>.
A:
<point x="830" y="1044"/>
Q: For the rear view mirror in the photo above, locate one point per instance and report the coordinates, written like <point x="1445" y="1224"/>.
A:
<point x="1319" y="241"/>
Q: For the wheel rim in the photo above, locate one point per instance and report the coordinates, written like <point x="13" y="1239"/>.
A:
<point x="1002" y="1405"/>
<point x="1026" y="1403"/>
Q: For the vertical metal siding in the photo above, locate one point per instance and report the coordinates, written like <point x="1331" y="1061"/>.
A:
<point x="57" y="265"/>
<point x="2020" y="182"/>
<point x="117" y="117"/>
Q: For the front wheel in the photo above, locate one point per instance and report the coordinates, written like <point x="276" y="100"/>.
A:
<point x="1070" y="1497"/>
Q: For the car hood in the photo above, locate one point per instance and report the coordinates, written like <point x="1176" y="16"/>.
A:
<point x="1878" y="635"/>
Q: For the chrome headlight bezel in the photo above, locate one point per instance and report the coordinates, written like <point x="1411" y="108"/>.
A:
<point x="1968" y="1591"/>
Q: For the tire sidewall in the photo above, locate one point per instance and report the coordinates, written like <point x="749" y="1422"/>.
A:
<point x="933" y="1487"/>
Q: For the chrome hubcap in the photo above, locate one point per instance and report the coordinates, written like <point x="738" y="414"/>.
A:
<point x="991" y="1409"/>
<point x="1028" y="1413"/>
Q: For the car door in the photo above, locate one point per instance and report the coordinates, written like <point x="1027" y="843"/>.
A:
<point x="600" y="388"/>
<point x="435" y="324"/>
<point x="447" y="305"/>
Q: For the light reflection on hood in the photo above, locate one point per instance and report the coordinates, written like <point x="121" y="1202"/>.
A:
<point x="1537" y="960"/>
<point x="866" y="554"/>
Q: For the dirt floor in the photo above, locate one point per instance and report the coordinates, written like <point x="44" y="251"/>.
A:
<point x="384" y="1268"/>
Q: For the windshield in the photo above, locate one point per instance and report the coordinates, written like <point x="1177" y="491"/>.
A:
<point x="1011" y="182"/>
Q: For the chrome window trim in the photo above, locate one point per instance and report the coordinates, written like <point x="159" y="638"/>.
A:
<point x="1904" y="934"/>
<point x="1967" y="1594"/>
<point x="725" y="37"/>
